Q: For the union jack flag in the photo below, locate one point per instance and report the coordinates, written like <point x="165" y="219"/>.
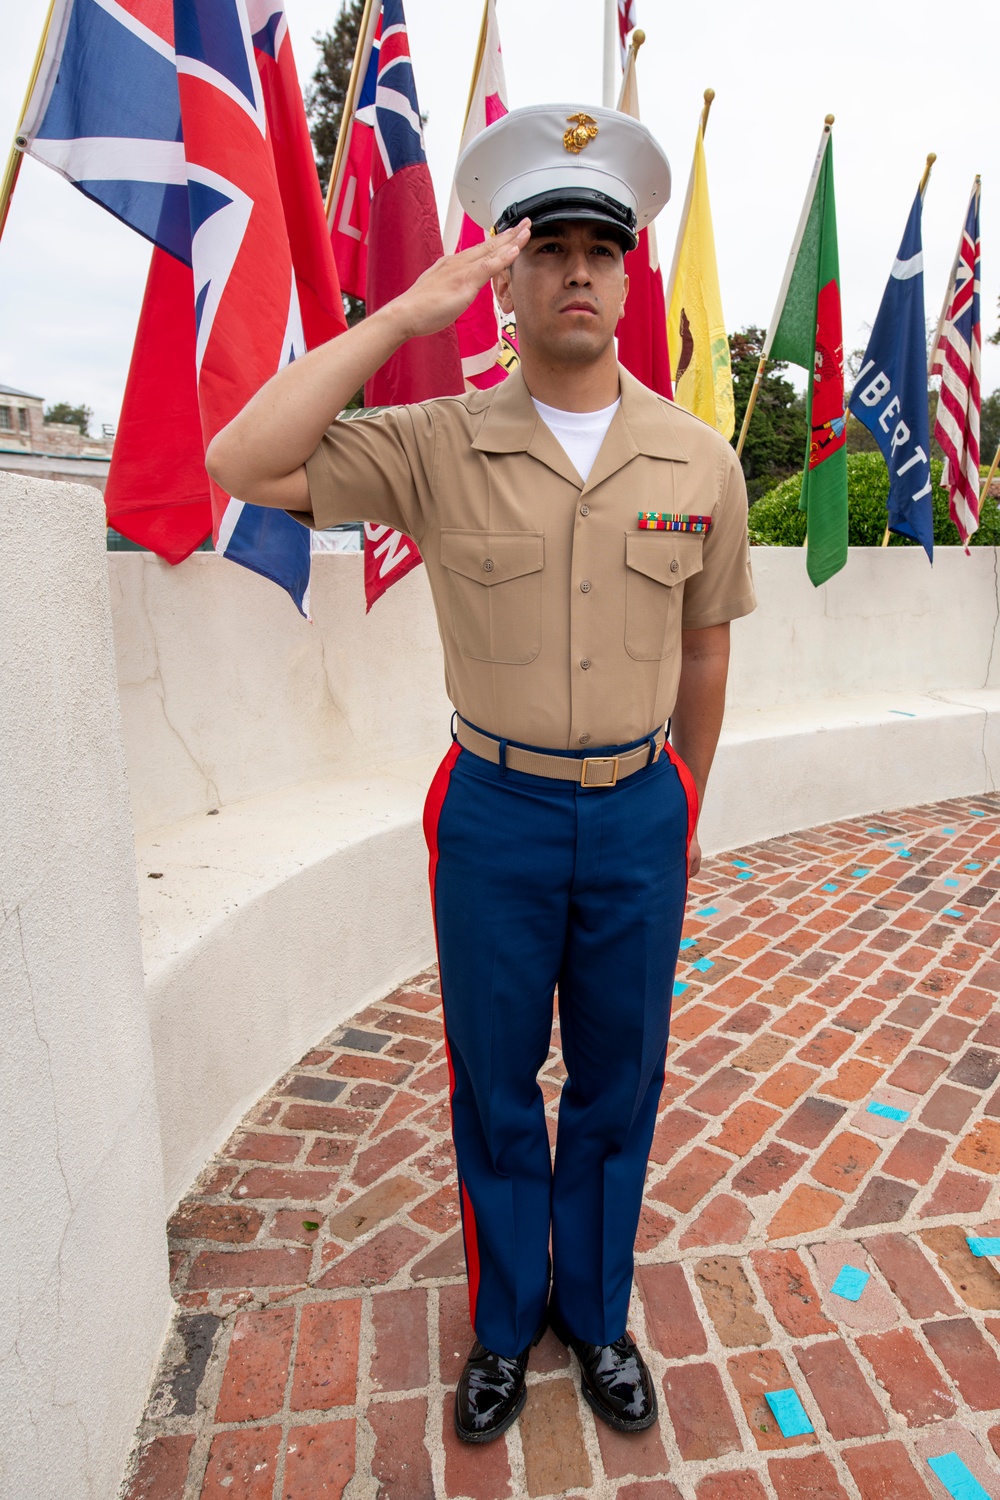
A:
<point x="956" y="356"/>
<point x="185" y="120"/>
<point x="626" y="23"/>
<point x="385" y="231"/>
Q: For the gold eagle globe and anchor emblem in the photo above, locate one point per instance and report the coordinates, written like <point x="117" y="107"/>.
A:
<point x="583" y="132"/>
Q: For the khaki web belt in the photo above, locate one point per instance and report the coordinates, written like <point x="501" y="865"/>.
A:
<point x="594" y="770"/>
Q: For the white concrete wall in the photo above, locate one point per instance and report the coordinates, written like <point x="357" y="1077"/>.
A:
<point x="83" y="1283"/>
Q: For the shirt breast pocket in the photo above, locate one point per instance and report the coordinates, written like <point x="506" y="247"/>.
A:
<point x="495" y="593"/>
<point x="657" y="563"/>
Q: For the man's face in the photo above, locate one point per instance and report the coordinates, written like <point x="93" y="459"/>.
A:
<point x="567" y="290"/>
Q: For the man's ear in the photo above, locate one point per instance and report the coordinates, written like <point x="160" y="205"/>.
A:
<point x="501" y="290"/>
<point x="624" y="297"/>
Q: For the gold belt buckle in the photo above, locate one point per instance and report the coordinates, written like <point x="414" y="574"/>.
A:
<point x="599" y="760"/>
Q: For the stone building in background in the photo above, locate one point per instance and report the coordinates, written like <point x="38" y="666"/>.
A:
<point x="49" y="450"/>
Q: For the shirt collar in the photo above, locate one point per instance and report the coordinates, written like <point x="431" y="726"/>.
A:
<point x="644" y="423"/>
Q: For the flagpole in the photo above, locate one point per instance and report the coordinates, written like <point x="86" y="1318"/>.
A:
<point x="350" y="98"/>
<point x="796" y="244"/>
<point x="16" y="155"/>
<point x="480" y="54"/>
<point x="989" y="478"/>
<point x="931" y="159"/>
<point x="709" y="96"/>
<point x="638" y="37"/>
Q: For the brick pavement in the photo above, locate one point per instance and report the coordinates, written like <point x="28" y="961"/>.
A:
<point x="317" y="1263"/>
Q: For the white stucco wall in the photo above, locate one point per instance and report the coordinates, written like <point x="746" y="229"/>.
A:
<point x="83" y="1284"/>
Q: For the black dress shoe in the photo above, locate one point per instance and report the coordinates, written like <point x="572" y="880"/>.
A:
<point x="491" y="1393"/>
<point x="614" y="1379"/>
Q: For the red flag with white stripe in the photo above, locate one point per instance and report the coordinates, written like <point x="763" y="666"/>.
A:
<point x="956" y="356"/>
<point x="626" y="23"/>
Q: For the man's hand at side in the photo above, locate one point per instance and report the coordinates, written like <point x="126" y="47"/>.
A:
<point x="260" y="455"/>
<point x="697" y="716"/>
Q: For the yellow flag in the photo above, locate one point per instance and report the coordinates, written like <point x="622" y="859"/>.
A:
<point x="696" y="329"/>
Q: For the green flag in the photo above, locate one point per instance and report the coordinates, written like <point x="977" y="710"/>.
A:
<point x="807" y="330"/>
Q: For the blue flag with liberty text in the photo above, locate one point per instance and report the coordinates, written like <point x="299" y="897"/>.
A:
<point x="890" y="393"/>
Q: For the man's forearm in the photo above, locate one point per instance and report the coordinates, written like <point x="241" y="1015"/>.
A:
<point x="701" y="700"/>
<point x="281" y="426"/>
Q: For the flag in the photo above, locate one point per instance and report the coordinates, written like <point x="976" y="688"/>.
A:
<point x="806" y="330"/>
<point x="890" y="393"/>
<point x="956" y="356"/>
<point x="187" y="123"/>
<point x="478" y="329"/>
<point x="389" y="220"/>
<point x="642" y="332"/>
<point x="626" y="23"/>
<point x="696" y="328"/>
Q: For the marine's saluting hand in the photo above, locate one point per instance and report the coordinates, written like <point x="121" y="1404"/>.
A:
<point x="451" y="284"/>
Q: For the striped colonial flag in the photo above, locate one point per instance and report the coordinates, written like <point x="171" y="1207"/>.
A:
<point x="956" y="356"/>
<point x="626" y="23"/>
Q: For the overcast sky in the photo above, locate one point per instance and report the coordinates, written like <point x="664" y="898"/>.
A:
<point x="898" y="79"/>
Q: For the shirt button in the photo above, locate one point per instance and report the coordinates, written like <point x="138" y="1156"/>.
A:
<point x="585" y="587"/>
<point x="674" y="565"/>
<point x="585" y="664"/>
<point x="488" y="565"/>
<point x="585" y="739"/>
<point x="585" y="510"/>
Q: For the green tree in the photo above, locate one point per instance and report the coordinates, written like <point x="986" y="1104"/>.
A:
<point x="776" y="440"/>
<point x="989" y="427"/>
<point x="75" y="416"/>
<point x="994" y="338"/>
<point x="325" y="99"/>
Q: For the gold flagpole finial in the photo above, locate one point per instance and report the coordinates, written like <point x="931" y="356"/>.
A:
<point x="638" y="37"/>
<point x="709" y="96"/>
<point x="931" y="159"/>
<point x="829" y="120"/>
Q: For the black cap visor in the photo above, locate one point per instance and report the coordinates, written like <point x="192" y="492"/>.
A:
<point x="575" y="205"/>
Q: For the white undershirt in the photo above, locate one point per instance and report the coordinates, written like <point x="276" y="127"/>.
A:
<point x="581" y="433"/>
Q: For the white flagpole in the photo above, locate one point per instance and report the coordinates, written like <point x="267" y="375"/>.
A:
<point x="610" y="52"/>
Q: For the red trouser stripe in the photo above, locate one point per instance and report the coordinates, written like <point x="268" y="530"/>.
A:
<point x="690" y="790"/>
<point x="432" y="816"/>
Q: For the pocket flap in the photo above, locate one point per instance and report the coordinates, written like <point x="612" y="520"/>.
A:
<point x="665" y="556"/>
<point x="490" y="557"/>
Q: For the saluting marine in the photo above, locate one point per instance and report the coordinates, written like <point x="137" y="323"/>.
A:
<point x="585" y="542"/>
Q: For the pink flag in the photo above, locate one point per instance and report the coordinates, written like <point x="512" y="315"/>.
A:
<point x="478" y="328"/>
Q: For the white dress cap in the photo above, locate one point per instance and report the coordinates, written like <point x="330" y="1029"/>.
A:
<point x="563" y="161"/>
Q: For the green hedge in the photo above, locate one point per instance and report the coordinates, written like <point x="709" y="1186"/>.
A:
<point x="776" y="521"/>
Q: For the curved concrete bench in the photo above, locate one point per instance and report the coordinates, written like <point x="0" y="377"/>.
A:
<point x="262" y="926"/>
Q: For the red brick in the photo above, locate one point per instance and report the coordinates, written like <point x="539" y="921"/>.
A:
<point x="825" y="1048"/>
<point x="956" y="1193"/>
<point x="948" y="1108"/>
<point x="885" y="1044"/>
<point x="917" y="1072"/>
<point x="737" y="1484"/>
<point x="290" y="1224"/>
<point x="903" y="1369"/>
<point x="884" y="1471"/>
<point x="813" y="1475"/>
<point x="994" y="1437"/>
<point x="401" y="1462"/>
<point x="260" y="1147"/>
<point x="438" y="1212"/>
<point x="331" y="1119"/>
<point x="748" y="1019"/>
<point x="884" y="1201"/>
<point x="910" y="1275"/>
<point x="812" y="1122"/>
<point x="481" y="1471"/>
<point x="846" y="1162"/>
<point x="688" y="1182"/>
<point x="253" y="1385"/>
<point x="859" y="1015"/>
<point x="653" y="1229"/>
<point x="788" y="1287"/>
<point x="378" y="1068"/>
<point x="768" y="1171"/>
<point x="319" y="1461"/>
<point x="656" y="1489"/>
<point x="330" y="1151"/>
<point x="946" y="1035"/>
<point x="433" y="1081"/>
<point x="237" y="1224"/>
<point x="969" y="1360"/>
<point x="915" y="1156"/>
<point x="704" y="1055"/>
<point x="799" y="1020"/>
<point x="972" y="1002"/>
<point x="763" y="1054"/>
<point x="410" y="1025"/>
<point x="804" y="1209"/>
<point x="161" y="1473"/>
<point x="852" y="1080"/>
<point x="692" y="1021"/>
<point x="555" y="1457"/>
<point x="701" y="1417"/>
<point x="376" y="1262"/>
<point x="674" y="1129"/>
<point x="268" y="1182"/>
<point x="980" y="1149"/>
<point x="720" y="1092"/>
<point x="849" y="1407"/>
<point x="326" y="1356"/>
<point x="752" y="1375"/>
<point x="455" y="1335"/>
<point x="446" y="1259"/>
<point x="743" y="1127"/>
<point x="639" y="1453"/>
<point x="366" y="1095"/>
<point x="381" y="1202"/>
<point x="672" y="1318"/>
<point x="386" y="1154"/>
<point x="723" y="1221"/>
<point x="244" y="1268"/>
<point x="218" y="1180"/>
<point x="975" y="1278"/>
<point x="242" y="1464"/>
<point x="400" y="1360"/>
<point x="787" y="1084"/>
<point x="730" y="1302"/>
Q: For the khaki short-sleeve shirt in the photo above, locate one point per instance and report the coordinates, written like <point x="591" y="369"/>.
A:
<point x="560" y="619"/>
